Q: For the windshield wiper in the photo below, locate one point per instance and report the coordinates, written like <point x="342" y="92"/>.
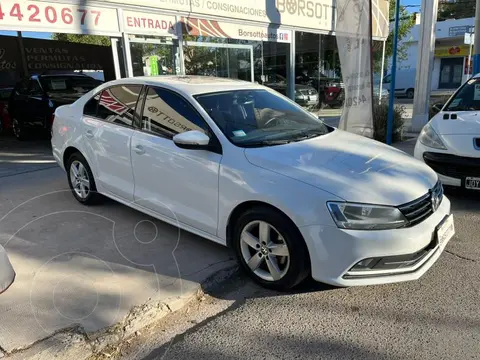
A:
<point x="265" y="143"/>
<point x="308" y="134"/>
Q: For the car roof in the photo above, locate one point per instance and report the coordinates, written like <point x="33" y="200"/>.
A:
<point x="190" y="84"/>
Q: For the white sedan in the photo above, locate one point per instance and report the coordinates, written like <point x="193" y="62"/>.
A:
<point x="241" y="165"/>
<point x="450" y="142"/>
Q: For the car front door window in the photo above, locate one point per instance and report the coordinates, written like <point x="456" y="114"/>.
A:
<point x="168" y="114"/>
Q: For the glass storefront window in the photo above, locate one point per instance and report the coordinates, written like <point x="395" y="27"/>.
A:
<point x="212" y="59"/>
<point x="154" y="56"/>
<point x="259" y="61"/>
<point x="318" y="80"/>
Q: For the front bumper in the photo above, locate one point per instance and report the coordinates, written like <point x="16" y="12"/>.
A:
<point x="451" y="169"/>
<point x="334" y="251"/>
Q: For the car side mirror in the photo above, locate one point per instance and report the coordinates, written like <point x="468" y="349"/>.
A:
<point x="192" y="139"/>
<point x="437" y="107"/>
<point x="7" y="274"/>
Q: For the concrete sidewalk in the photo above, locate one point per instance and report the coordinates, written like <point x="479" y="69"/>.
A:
<point x="408" y="145"/>
<point x="88" y="277"/>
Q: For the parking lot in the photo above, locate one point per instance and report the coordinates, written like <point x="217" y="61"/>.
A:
<point x="88" y="266"/>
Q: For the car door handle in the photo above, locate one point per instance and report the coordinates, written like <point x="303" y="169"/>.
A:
<point x="89" y="133"/>
<point x="139" y="149"/>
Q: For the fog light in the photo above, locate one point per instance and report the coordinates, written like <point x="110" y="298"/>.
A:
<point x="365" y="264"/>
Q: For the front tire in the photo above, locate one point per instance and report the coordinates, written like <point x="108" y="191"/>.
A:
<point x="81" y="181"/>
<point x="270" y="249"/>
<point x="410" y="93"/>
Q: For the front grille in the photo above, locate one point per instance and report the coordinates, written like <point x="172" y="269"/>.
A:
<point x="453" y="166"/>
<point x="420" y="209"/>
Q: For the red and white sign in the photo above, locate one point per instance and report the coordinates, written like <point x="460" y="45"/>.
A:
<point x="144" y="23"/>
<point x="54" y="17"/>
<point x="203" y="27"/>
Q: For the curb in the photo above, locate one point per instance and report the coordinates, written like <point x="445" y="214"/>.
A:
<point x="76" y="343"/>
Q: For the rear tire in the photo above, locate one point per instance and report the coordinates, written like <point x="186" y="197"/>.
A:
<point x="276" y="259"/>
<point x="81" y="181"/>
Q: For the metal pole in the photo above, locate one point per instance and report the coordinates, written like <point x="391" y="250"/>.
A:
<point x="291" y="69"/>
<point x="22" y="53"/>
<point x="476" y="44"/>
<point x="424" y="70"/>
<point x="470" y="55"/>
<point x="128" y="55"/>
<point x="116" y="62"/>
<point x="381" y="73"/>
<point x="393" y="74"/>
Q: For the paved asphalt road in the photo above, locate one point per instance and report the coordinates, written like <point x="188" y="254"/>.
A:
<point x="436" y="317"/>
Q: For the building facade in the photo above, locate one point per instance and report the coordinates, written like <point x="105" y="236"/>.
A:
<point x="280" y="43"/>
<point x="451" y="65"/>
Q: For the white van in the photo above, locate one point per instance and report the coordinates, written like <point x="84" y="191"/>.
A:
<point x="404" y="83"/>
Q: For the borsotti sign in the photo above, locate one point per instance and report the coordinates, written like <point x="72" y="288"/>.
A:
<point x="203" y="27"/>
<point x="54" y="17"/>
<point x="314" y="14"/>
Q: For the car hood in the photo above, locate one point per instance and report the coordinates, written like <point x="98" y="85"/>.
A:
<point x="467" y="123"/>
<point x="349" y="166"/>
<point x="7" y="275"/>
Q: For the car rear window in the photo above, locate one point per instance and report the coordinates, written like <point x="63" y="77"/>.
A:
<point x="69" y="84"/>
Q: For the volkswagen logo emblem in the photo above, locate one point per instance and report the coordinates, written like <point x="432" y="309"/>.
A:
<point x="435" y="201"/>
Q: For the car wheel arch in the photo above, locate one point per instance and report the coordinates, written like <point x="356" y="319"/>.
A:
<point x="69" y="151"/>
<point x="244" y="206"/>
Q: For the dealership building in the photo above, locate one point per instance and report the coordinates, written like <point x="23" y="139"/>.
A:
<point x="271" y="41"/>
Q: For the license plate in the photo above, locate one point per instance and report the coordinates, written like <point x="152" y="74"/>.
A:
<point x="445" y="231"/>
<point x="472" y="183"/>
<point x="313" y="98"/>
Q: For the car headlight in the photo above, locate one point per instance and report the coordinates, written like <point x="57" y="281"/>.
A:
<point x="430" y="138"/>
<point x="354" y="216"/>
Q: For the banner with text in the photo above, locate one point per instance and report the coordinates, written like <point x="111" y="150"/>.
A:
<point x="54" y="17"/>
<point x="202" y="27"/>
<point x="354" y="47"/>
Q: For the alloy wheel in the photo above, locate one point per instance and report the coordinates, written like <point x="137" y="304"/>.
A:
<point x="264" y="250"/>
<point x="79" y="179"/>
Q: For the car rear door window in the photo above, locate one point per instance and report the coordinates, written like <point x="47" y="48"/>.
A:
<point x="166" y="113"/>
<point x="90" y="108"/>
<point x="117" y="104"/>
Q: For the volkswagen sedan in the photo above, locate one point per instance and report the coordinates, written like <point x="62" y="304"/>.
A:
<point x="241" y="165"/>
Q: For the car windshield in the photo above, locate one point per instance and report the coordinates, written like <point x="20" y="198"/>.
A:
<point x="254" y="118"/>
<point x="69" y="84"/>
<point x="467" y="98"/>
